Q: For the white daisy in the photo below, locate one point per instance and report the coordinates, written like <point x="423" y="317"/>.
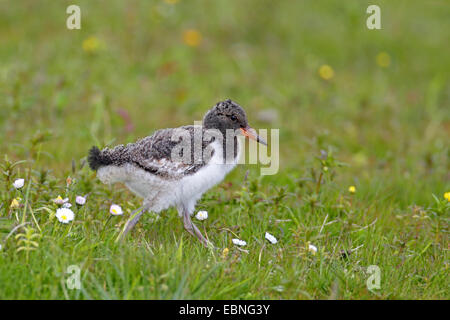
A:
<point x="80" y="200"/>
<point x="239" y="242"/>
<point x="202" y="215"/>
<point x="115" y="210"/>
<point x="271" y="238"/>
<point x="312" y="249"/>
<point x="19" y="183"/>
<point x="59" y="200"/>
<point x="64" y="215"/>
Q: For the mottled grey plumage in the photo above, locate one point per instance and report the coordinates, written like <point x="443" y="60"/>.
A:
<point x="154" y="153"/>
<point x="149" y="152"/>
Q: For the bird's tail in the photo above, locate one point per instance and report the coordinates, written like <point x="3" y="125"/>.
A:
<point x="96" y="159"/>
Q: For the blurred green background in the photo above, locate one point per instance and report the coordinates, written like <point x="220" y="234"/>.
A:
<point x="136" y="66"/>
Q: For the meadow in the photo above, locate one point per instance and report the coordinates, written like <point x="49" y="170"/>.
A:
<point x="364" y="120"/>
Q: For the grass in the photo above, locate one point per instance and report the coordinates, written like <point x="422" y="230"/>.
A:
<point x="384" y="127"/>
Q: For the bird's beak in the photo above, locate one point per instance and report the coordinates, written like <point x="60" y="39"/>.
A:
<point x="251" y="133"/>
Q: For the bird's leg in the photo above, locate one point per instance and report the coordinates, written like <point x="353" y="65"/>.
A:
<point x="192" y="228"/>
<point x="134" y="218"/>
<point x="188" y="224"/>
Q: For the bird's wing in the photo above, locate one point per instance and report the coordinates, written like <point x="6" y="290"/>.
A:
<point x="169" y="153"/>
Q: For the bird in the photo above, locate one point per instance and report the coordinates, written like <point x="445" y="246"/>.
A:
<point x="174" y="167"/>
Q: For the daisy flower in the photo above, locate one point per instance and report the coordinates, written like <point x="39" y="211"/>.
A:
<point x="271" y="238"/>
<point x="80" y="200"/>
<point x="202" y="215"/>
<point x="312" y="249"/>
<point x="64" y="215"/>
<point x="18" y="184"/>
<point x="239" y="242"/>
<point x="59" y="200"/>
<point x="115" y="210"/>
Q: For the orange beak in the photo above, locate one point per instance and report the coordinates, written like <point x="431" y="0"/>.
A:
<point x="251" y="133"/>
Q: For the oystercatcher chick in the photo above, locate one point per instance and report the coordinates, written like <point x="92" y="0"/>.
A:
<point x="175" y="166"/>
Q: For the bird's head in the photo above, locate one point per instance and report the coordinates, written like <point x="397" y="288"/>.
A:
<point x="230" y="115"/>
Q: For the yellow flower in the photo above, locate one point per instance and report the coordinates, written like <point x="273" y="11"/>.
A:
<point x="225" y="253"/>
<point x="352" y="189"/>
<point x="91" y="44"/>
<point x="326" y="72"/>
<point x="14" y="203"/>
<point x="447" y="196"/>
<point x="192" y="37"/>
<point x="383" y="60"/>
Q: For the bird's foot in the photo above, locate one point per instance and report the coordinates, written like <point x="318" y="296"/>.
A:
<point x="134" y="218"/>
<point x="193" y="230"/>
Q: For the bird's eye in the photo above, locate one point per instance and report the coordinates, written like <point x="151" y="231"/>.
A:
<point x="233" y="117"/>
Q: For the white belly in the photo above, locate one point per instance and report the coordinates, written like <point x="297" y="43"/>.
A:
<point x="160" y="194"/>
